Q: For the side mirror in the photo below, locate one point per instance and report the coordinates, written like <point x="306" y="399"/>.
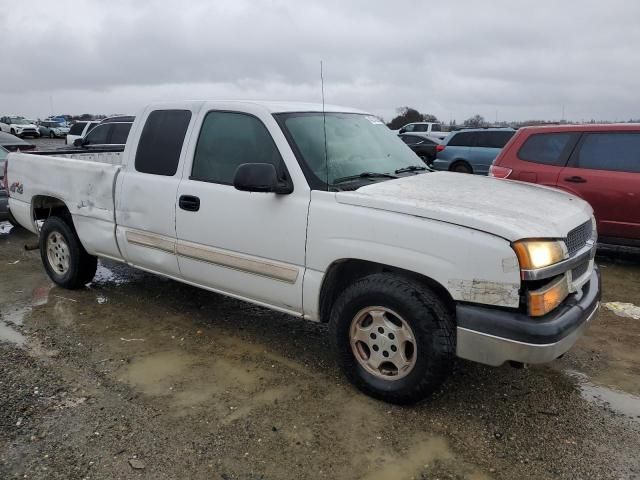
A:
<point x="402" y="130"/>
<point x="259" y="177"/>
<point x="78" y="142"/>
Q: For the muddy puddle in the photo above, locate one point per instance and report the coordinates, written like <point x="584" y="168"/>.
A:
<point x="10" y="334"/>
<point x="609" y="397"/>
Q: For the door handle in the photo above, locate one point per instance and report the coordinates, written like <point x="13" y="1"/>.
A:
<point x="189" y="203"/>
<point x="575" y="179"/>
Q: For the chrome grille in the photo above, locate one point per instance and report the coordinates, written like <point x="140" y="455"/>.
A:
<point x="578" y="237"/>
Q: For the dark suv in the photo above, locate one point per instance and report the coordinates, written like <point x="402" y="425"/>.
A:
<point x="471" y="150"/>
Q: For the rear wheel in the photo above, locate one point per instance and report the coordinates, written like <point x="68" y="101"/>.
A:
<point x="461" y="167"/>
<point x="66" y="261"/>
<point x="394" y="338"/>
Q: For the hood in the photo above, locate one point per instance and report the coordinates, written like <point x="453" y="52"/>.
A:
<point x="512" y="210"/>
<point x="22" y="127"/>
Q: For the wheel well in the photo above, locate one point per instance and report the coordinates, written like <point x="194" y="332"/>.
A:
<point x="43" y="207"/>
<point x="343" y="273"/>
<point x="458" y="162"/>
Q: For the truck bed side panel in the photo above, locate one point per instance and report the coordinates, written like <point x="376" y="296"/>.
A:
<point x="86" y="187"/>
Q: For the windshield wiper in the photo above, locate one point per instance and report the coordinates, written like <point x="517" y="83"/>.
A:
<point x="411" y="168"/>
<point x="364" y="175"/>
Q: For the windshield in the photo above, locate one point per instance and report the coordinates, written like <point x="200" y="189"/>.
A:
<point x="3" y="155"/>
<point x="19" y="121"/>
<point x="356" y="144"/>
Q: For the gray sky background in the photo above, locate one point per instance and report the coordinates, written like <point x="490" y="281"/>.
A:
<point x="514" y="59"/>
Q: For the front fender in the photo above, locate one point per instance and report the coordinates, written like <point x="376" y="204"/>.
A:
<point x="473" y="266"/>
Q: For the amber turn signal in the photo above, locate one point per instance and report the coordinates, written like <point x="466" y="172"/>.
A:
<point x="545" y="299"/>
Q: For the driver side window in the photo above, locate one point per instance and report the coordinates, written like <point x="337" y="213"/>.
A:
<point x="98" y="135"/>
<point x="229" y="139"/>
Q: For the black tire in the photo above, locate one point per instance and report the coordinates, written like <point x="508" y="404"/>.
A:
<point x="52" y="135"/>
<point x="81" y="266"/>
<point x="431" y="323"/>
<point x="13" y="132"/>
<point x="461" y="167"/>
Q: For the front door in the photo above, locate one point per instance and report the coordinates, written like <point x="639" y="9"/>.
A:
<point x="248" y="245"/>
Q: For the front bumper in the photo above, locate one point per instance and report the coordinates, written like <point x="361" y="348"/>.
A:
<point x="493" y="337"/>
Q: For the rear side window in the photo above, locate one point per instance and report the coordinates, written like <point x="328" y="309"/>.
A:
<point x="421" y="128"/>
<point x="410" y="140"/>
<point x="77" y="128"/>
<point x="463" y="139"/>
<point x="547" y="148"/>
<point x="120" y="133"/>
<point x="494" y="139"/>
<point x="609" y="151"/>
<point x="161" y="142"/>
<point x="229" y="139"/>
<point x="98" y="136"/>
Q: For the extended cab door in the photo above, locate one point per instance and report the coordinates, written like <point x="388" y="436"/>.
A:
<point x="248" y="245"/>
<point x="604" y="169"/>
<point x="146" y="191"/>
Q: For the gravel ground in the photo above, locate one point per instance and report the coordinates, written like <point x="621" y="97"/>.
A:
<point x="141" y="377"/>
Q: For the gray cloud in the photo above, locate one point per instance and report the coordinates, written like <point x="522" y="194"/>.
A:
<point x="516" y="60"/>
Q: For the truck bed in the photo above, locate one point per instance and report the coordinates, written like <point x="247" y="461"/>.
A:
<point x="84" y="182"/>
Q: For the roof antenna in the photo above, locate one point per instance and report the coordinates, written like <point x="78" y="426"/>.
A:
<point x="324" y="125"/>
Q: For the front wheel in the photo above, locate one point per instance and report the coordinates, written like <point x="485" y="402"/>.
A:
<point x="66" y="261"/>
<point x="394" y="337"/>
<point x="461" y="167"/>
<point x="52" y="135"/>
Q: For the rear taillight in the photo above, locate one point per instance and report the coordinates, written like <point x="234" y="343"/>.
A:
<point x="499" y="172"/>
<point x="439" y="148"/>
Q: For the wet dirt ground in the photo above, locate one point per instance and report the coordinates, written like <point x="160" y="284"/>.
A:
<point x="137" y="376"/>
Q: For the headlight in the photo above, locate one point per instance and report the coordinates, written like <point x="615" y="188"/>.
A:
<point x="533" y="254"/>
<point x="545" y="299"/>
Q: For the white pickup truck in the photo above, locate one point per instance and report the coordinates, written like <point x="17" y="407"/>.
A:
<point x="327" y="216"/>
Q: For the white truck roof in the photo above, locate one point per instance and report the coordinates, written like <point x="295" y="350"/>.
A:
<point x="271" y="106"/>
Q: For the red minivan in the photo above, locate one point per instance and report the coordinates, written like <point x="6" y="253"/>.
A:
<point x="599" y="163"/>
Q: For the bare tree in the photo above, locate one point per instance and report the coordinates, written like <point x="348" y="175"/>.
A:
<point x="475" y="121"/>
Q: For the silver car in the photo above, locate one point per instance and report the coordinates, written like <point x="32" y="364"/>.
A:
<point x="52" y="129"/>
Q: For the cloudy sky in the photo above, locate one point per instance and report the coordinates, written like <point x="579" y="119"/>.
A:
<point x="513" y="60"/>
